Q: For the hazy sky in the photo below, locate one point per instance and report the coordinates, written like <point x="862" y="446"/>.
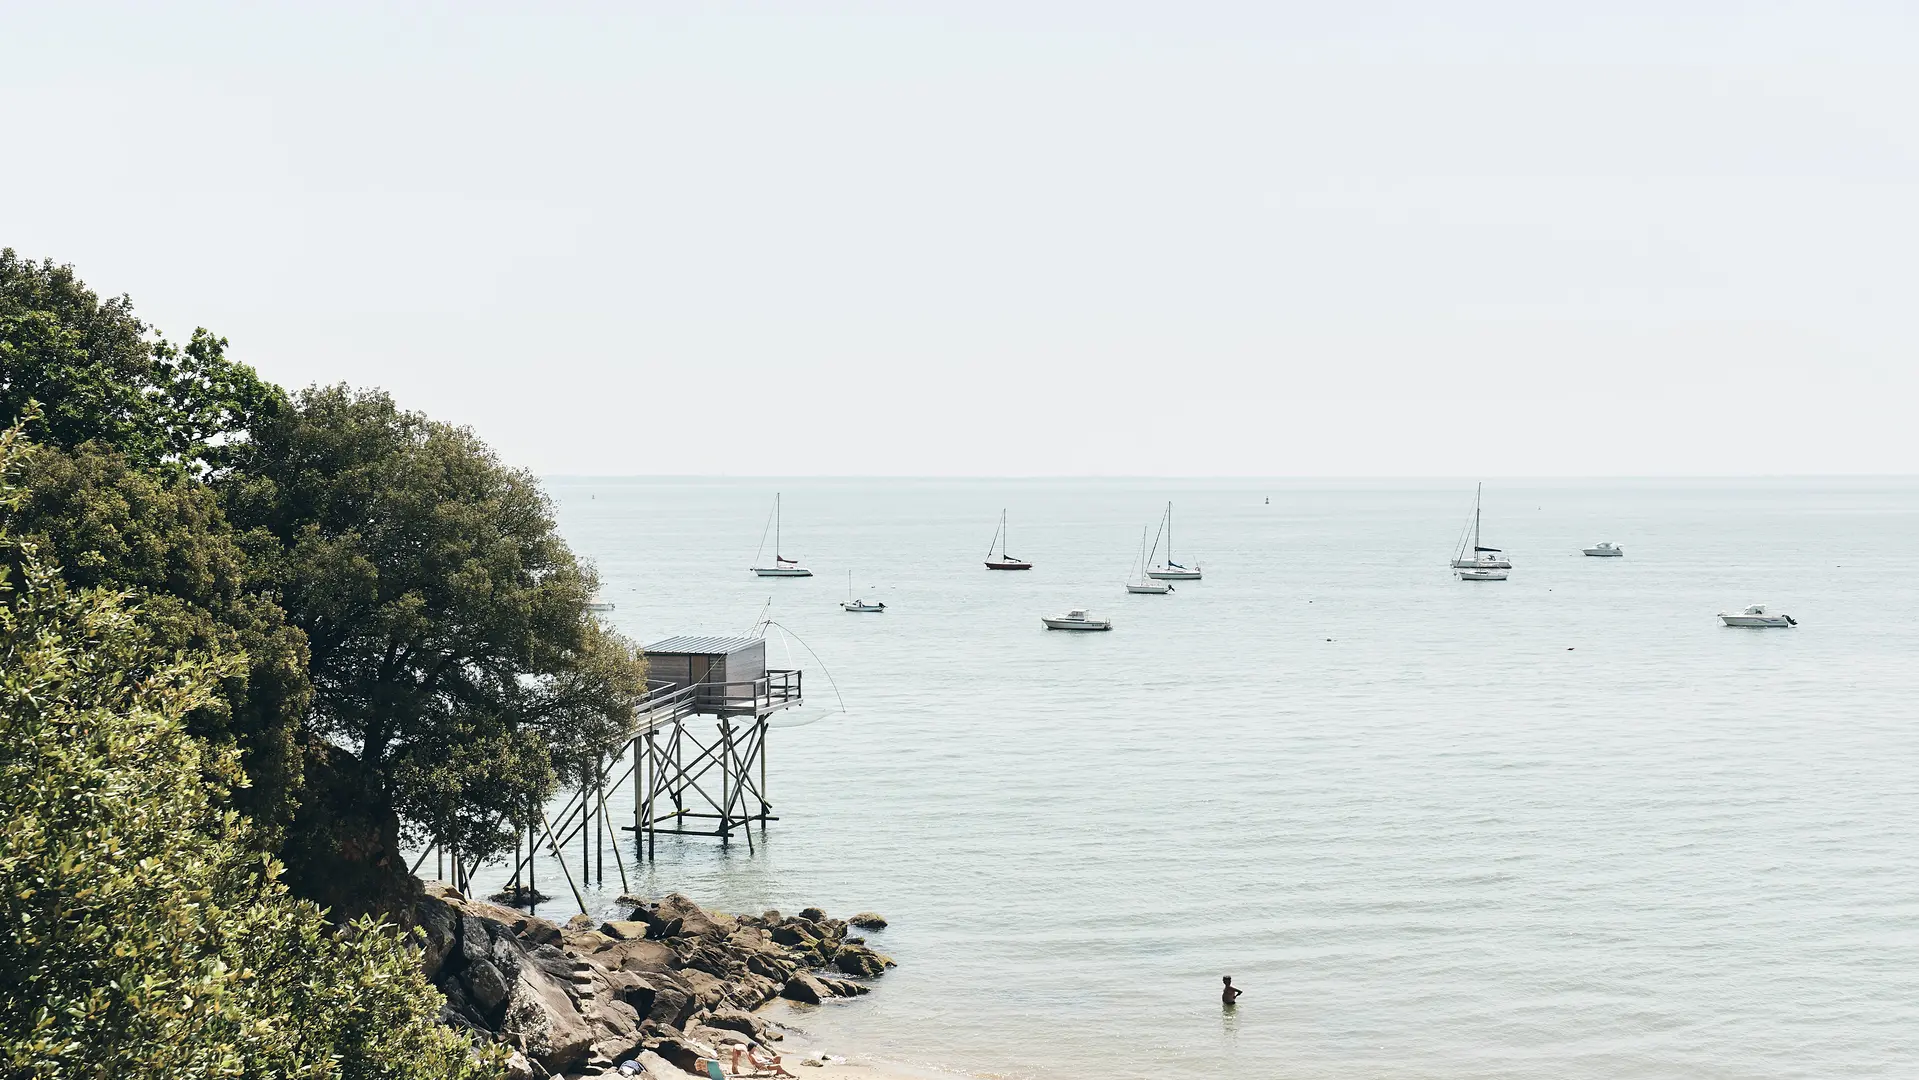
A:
<point x="1024" y="238"/>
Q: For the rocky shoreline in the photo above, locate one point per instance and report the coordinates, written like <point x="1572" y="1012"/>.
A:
<point x="670" y="985"/>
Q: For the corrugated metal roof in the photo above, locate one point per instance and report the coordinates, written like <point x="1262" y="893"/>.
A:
<point x="705" y="645"/>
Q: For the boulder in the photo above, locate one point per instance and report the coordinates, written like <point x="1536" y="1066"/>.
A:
<point x="692" y="919"/>
<point x="860" y="960"/>
<point x="867" y="920"/>
<point x="812" y="914"/>
<point x="624" y="930"/>
<point x="805" y="989"/>
<point x="788" y="934"/>
<point x="485" y="987"/>
<point x="741" y="1022"/>
<point x="519" y="1068"/>
<point x="843" y="987"/>
<point x="542" y="1019"/>
<point x="683" y="1053"/>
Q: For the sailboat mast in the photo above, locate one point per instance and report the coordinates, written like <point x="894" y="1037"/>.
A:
<point x="1169" y="532"/>
<point x="1002" y="534"/>
<point x="778" y="548"/>
<point x="1477" y="491"/>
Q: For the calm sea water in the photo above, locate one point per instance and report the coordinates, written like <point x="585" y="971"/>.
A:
<point x="1561" y="826"/>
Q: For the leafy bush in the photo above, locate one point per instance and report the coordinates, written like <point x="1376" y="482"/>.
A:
<point x="139" y="935"/>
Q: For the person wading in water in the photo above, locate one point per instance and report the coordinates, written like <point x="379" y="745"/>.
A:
<point x="1231" y="993"/>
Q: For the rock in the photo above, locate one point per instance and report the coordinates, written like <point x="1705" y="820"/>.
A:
<point x="867" y="920"/>
<point x="843" y="987"/>
<point x="860" y="960"/>
<point x="439" y="930"/>
<point x="812" y="914"/>
<point x="541" y="1018"/>
<point x="805" y="989"/>
<point x="519" y="1068"/>
<point x="788" y="934"/>
<point x="631" y="900"/>
<point x="486" y="988"/>
<point x="738" y="1021"/>
<point x="692" y="920"/>
<point x="624" y="930"/>
<point x="855" y="941"/>
<point x="580" y="922"/>
<point x="684" y="1053"/>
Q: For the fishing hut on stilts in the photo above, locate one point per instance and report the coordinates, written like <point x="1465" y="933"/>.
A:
<point x="696" y="761"/>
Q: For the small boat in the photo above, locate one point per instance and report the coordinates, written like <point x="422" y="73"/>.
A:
<point x="861" y="604"/>
<point x="1756" y="616"/>
<point x="1607" y="550"/>
<point x="1170" y="570"/>
<point x="782" y="566"/>
<point x="1481" y="573"/>
<point x="1483" y="558"/>
<point x="597" y="604"/>
<point x="1004" y="561"/>
<point x="1143" y="584"/>
<point x="1076" y="619"/>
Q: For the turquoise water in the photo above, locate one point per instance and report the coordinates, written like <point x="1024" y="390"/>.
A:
<point x="1566" y="825"/>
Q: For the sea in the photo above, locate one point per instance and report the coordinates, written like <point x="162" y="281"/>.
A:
<point x="1565" y="825"/>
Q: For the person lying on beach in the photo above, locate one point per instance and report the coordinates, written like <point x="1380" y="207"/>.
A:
<point x="1231" y="993"/>
<point x="767" y="1064"/>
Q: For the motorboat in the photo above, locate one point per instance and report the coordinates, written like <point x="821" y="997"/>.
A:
<point x="597" y="604"/>
<point x="1607" y="550"/>
<point x="1143" y="584"/>
<point x="1756" y="616"/>
<point x="862" y="604"/>
<point x="1170" y="570"/>
<point x="1481" y="573"/>
<point x="1003" y="561"/>
<point x="782" y="566"/>
<point x="1076" y="619"/>
<point x="1482" y="557"/>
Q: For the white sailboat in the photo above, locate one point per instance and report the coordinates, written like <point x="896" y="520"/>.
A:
<point x="782" y="566"/>
<point x="1170" y="570"/>
<point x="1003" y="561"/>
<point x="1143" y="584"/>
<point x="1482" y="557"/>
<point x="862" y="604"/>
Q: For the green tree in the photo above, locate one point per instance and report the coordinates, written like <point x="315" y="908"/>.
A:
<point x="100" y="374"/>
<point x="139" y="936"/>
<point x="104" y="524"/>
<point x="451" y="652"/>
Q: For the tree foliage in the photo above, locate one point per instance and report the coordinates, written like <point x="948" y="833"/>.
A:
<point x="100" y="374"/>
<point x="450" y="646"/>
<point x="139" y="935"/>
<point x="105" y="524"/>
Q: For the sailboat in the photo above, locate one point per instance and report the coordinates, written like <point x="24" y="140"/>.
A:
<point x="1005" y="561"/>
<point x="861" y="604"/>
<point x="1143" y="584"/>
<point x="782" y="566"/>
<point x="1482" y="558"/>
<point x="1170" y="570"/>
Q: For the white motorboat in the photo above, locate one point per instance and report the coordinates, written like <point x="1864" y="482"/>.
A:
<point x="597" y="604"/>
<point x="1143" y="584"/>
<point x="1076" y="619"/>
<point x="1607" y="550"/>
<point x="1170" y="570"/>
<point x="1480" y="573"/>
<point x="1482" y="557"/>
<point x="782" y="566"/>
<point x="1756" y="616"/>
<point x="862" y="604"/>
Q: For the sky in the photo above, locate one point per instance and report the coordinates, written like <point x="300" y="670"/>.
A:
<point x="1039" y="238"/>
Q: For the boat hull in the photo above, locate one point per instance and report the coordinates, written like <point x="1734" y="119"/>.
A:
<point x="782" y="571"/>
<point x="1149" y="590"/>
<point x="1488" y="564"/>
<point x="866" y="609"/>
<point x="1602" y="553"/>
<point x="1077" y="624"/>
<point x="1173" y="575"/>
<point x="1757" y="622"/>
<point x="1482" y="575"/>
<point x="1007" y="564"/>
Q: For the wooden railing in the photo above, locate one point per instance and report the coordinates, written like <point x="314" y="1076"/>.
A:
<point x="779" y="688"/>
